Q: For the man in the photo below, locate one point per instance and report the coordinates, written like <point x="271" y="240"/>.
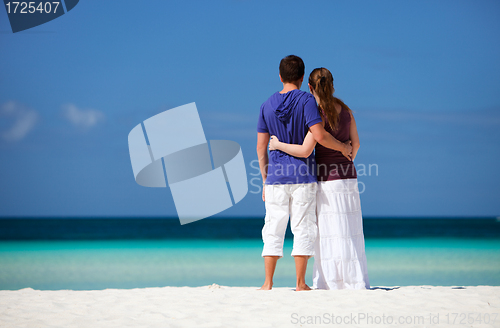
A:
<point x="290" y="182"/>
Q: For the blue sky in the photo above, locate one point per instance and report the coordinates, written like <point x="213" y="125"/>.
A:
<point x="423" y="78"/>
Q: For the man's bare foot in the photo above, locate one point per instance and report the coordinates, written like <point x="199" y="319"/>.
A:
<point x="302" y="287"/>
<point x="266" y="286"/>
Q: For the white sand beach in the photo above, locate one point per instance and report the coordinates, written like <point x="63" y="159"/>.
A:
<point x="219" y="306"/>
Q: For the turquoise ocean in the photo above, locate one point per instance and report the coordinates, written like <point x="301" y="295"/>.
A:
<point x="99" y="253"/>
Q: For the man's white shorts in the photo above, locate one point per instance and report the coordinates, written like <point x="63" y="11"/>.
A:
<point x="297" y="201"/>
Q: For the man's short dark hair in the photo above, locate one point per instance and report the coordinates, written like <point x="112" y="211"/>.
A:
<point x="291" y="68"/>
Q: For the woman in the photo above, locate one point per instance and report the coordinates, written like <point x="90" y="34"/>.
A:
<point x="340" y="260"/>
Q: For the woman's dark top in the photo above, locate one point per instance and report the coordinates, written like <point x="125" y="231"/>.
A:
<point x="331" y="164"/>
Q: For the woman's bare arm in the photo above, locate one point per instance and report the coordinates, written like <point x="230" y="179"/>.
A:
<point x="303" y="150"/>
<point x="353" y="135"/>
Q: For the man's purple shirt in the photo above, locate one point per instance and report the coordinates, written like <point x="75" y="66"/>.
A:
<point x="288" y="116"/>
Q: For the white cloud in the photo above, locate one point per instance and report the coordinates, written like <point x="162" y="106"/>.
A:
<point x="25" y="120"/>
<point x="84" y="118"/>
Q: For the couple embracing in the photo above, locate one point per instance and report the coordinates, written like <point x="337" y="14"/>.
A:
<point x="318" y="192"/>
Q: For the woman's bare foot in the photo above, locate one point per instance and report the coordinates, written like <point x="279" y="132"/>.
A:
<point x="266" y="286"/>
<point x="302" y="287"/>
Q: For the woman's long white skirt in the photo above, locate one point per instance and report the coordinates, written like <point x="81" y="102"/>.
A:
<point x="340" y="260"/>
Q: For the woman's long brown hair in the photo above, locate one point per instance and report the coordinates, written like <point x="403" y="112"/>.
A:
<point x="321" y="80"/>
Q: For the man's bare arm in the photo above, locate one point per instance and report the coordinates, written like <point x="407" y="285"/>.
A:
<point x="262" y="142"/>
<point x="327" y="140"/>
